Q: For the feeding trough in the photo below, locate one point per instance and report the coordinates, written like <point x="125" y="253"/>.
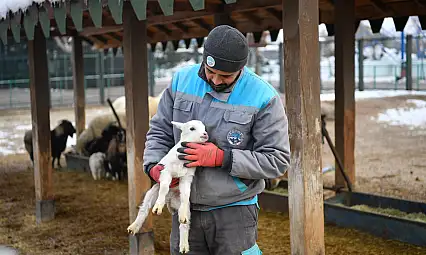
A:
<point x="381" y="216"/>
<point x="386" y="217"/>
<point x="77" y="162"/>
<point x="273" y="200"/>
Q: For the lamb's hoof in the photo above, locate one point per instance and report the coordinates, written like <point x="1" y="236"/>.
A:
<point x="184" y="248"/>
<point x="157" y="209"/>
<point x="133" y="228"/>
<point x="183" y="216"/>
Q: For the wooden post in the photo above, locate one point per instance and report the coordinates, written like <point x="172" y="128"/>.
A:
<point x="361" y="65"/>
<point x="409" y="63"/>
<point x="151" y="76"/>
<point x="101" y="80"/>
<point x="281" y="84"/>
<point x="302" y="80"/>
<point x="39" y="92"/>
<point x="136" y="92"/>
<point x="345" y="89"/>
<point x="78" y="83"/>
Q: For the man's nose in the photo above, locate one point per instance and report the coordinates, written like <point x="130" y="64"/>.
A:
<point x="216" y="80"/>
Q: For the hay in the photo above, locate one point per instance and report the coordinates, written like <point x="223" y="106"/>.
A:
<point x="280" y="190"/>
<point x="92" y="217"/>
<point x="421" y="217"/>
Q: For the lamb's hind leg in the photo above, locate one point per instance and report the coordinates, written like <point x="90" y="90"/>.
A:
<point x="165" y="180"/>
<point x="185" y="191"/>
<point x="183" y="227"/>
<point x="184" y="237"/>
<point x="143" y="212"/>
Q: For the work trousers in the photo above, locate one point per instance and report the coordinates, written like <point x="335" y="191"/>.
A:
<point x="225" y="231"/>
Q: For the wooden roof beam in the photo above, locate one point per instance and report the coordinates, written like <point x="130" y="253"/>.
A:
<point x="380" y="6"/>
<point x="420" y="3"/>
<point x="252" y="17"/>
<point x="95" y="31"/>
<point x="200" y="22"/>
<point x="180" y="26"/>
<point x="276" y="14"/>
<point x="212" y="10"/>
<point x="163" y="29"/>
<point x="113" y="37"/>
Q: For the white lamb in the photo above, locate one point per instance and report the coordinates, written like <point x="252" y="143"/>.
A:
<point x="192" y="131"/>
<point x="96" y="164"/>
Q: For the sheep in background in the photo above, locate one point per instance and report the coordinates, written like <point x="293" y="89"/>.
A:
<point x="192" y="131"/>
<point x="101" y="144"/>
<point x="119" y="104"/>
<point x="116" y="156"/>
<point x="96" y="163"/>
<point x="95" y="129"/>
<point x="96" y="125"/>
<point x="58" y="140"/>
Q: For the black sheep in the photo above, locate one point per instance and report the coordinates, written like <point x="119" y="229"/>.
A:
<point x="100" y="144"/>
<point x="58" y="140"/>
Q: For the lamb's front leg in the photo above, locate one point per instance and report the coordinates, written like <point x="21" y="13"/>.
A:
<point x="185" y="191"/>
<point x="148" y="201"/>
<point x="165" y="180"/>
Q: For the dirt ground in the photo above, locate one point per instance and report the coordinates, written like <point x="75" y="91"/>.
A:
<point x="92" y="216"/>
<point x="389" y="160"/>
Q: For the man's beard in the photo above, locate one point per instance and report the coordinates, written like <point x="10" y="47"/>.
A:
<point x="220" y="87"/>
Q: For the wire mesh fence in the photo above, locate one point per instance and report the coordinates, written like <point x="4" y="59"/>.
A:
<point x="384" y="66"/>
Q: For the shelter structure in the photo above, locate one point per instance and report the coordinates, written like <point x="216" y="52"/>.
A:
<point x="133" y="24"/>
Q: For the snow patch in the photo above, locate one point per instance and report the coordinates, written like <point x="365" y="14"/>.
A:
<point x="412" y="117"/>
<point x="366" y="94"/>
<point x="19" y="5"/>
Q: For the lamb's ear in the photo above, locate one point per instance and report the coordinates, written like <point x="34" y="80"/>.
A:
<point x="177" y="124"/>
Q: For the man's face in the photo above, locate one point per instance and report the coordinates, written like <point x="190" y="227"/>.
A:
<point x="220" y="80"/>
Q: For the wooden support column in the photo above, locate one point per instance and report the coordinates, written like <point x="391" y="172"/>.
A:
<point x="281" y="85"/>
<point x="101" y="81"/>
<point x="78" y="84"/>
<point x="409" y="63"/>
<point x="40" y="115"/>
<point x="136" y="92"/>
<point x="345" y="89"/>
<point x="302" y="87"/>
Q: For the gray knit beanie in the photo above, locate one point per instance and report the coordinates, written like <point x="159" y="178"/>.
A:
<point x="225" y="49"/>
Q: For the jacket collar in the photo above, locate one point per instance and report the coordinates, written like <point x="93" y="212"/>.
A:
<point x="221" y="96"/>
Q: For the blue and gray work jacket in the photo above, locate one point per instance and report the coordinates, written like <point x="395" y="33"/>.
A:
<point x="248" y="122"/>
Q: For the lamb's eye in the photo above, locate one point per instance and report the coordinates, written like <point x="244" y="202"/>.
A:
<point x="192" y="128"/>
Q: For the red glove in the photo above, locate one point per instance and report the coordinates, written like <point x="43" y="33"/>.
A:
<point x="201" y="154"/>
<point x="155" y="174"/>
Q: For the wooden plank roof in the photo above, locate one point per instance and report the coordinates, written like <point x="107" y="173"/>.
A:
<point x="100" y="21"/>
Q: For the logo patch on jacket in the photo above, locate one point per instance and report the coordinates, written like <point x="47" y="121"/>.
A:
<point x="235" y="137"/>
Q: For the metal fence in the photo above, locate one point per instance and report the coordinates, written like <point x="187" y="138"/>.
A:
<point x="384" y="67"/>
<point x="385" y="62"/>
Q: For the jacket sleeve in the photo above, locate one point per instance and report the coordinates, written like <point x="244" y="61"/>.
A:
<point x="270" y="157"/>
<point x="159" y="138"/>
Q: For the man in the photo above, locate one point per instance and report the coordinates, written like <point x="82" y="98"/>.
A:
<point x="248" y="142"/>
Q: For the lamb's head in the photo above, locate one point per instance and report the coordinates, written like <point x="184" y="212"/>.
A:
<point x="192" y="131"/>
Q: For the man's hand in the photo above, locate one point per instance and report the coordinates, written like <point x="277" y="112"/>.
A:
<point x="201" y="154"/>
<point x="155" y="174"/>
